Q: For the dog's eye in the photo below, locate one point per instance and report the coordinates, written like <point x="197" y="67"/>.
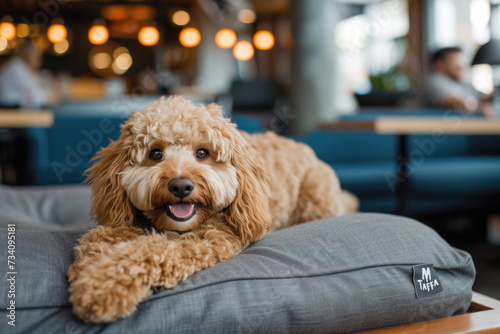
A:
<point x="156" y="154"/>
<point x="201" y="154"/>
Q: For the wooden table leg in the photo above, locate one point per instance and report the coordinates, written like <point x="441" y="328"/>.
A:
<point x="402" y="186"/>
<point x="3" y="163"/>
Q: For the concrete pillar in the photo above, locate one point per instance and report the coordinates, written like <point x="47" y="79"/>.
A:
<point x="314" y="64"/>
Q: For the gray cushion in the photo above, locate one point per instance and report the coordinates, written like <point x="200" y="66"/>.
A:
<point x="334" y="275"/>
<point x="46" y="208"/>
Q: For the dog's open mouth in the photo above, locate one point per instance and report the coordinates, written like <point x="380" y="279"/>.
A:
<point x="182" y="211"/>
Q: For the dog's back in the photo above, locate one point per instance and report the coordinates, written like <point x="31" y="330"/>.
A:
<point x="303" y="188"/>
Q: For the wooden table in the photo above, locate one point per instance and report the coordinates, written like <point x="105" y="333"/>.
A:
<point x="21" y="118"/>
<point x="419" y="125"/>
<point x="483" y="316"/>
<point x="18" y="118"/>
<point x="403" y="126"/>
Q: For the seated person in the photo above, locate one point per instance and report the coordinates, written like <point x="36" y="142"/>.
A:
<point x="20" y="83"/>
<point x="446" y="87"/>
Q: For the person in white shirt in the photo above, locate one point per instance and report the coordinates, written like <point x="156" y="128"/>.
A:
<point x="20" y="83"/>
<point x="446" y="87"/>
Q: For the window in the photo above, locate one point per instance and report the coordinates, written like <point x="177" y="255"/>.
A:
<point x="372" y="43"/>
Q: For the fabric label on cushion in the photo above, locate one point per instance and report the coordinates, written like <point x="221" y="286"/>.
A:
<point x="426" y="281"/>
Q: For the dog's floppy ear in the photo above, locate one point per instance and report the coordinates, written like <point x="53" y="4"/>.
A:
<point x="249" y="214"/>
<point x="110" y="204"/>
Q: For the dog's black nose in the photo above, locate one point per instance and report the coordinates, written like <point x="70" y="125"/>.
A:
<point x="180" y="187"/>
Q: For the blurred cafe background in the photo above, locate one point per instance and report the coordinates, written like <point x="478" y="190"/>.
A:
<point x="398" y="96"/>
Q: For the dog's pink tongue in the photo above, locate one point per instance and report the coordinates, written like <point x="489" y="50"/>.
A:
<point x="182" y="210"/>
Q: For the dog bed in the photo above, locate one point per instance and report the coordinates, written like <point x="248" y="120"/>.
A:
<point x="344" y="274"/>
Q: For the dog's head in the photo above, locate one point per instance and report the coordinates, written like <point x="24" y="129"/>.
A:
<point x="179" y="164"/>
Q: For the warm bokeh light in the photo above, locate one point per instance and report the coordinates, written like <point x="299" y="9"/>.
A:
<point x="263" y="40"/>
<point x="247" y="16"/>
<point x="225" y="38"/>
<point x="189" y="37"/>
<point x="7" y="30"/>
<point x="23" y="30"/>
<point x="121" y="64"/>
<point x="56" y="33"/>
<point x="101" y="60"/>
<point x="148" y="36"/>
<point x="61" y="47"/>
<point x="181" y="18"/>
<point x="116" y="69"/>
<point x="123" y="61"/>
<point x="243" y="50"/>
<point x="3" y="43"/>
<point x="109" y="60"/>
<point x="119" y="51"/>
<point x="98" y="34"/>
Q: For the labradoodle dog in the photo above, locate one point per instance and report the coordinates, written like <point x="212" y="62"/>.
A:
<point x="181" y="190"/>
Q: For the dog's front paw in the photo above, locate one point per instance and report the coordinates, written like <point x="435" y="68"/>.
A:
<point x="105" y="294"/>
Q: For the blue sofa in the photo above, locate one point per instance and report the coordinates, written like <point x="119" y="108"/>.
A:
<point x="462" y="173"/>
<point x="454" y="173"/>
<point x="458" y="173"/>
